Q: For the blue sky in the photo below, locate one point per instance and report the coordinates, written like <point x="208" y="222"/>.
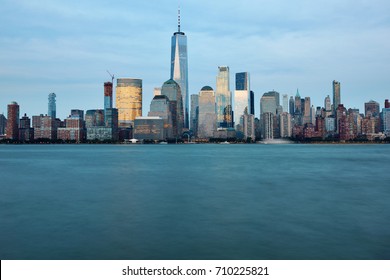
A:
<point x="66" y="47"/>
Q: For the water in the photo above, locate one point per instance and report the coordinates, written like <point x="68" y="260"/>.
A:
<point x="194" y="202"/>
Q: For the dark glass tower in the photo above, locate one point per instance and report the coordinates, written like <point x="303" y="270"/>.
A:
<point x="179" y="67"/>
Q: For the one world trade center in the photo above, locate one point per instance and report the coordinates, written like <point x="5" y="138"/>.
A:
<point x="179" y="67"/>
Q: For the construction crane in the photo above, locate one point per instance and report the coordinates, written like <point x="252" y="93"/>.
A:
<point x="112" y="77"/>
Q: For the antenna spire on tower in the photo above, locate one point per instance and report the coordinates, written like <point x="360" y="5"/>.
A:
<point x="178" y="18"/>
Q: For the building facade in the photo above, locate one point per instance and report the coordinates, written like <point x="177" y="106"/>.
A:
<point x="242" y="96"/>
<point x="128" y="101"/>
<point x="207" y="116"/>
<point x="52" y="107"/>
<point x="172" y="90"/>
<point x="26" y="132"/>
<point x="3" y="124"/>
<point x="223" y="98"/>
<point x="194" y="113"/>
<point x="12" y="129"/>
<point x="161" y="107"/>
<point x="336" y="96"/>
<point x="74" y="130"/>
<point x="149" y="128"/>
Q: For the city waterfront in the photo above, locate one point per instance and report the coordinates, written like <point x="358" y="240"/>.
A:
<point x="194" y="201"/>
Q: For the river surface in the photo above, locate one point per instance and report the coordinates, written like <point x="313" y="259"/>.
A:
<point x="204" y="201"/>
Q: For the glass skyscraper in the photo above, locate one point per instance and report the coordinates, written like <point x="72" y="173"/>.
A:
<point x="223" y="97"/>
<point x="179" y="68"/>
<point x="128" y="101"/>
<point x="52" y="105"/>
<point x="172" y="90"/>
<point x="207" y="124"/>
<point x="194" y="113"/>
<point x="242" y="97"/>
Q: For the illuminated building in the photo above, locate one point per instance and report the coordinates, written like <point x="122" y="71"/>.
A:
<point x="128" y="101"/>
<point x="223" y="98"/>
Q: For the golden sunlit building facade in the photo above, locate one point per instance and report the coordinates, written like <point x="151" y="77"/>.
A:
<point x="128" y="101"/>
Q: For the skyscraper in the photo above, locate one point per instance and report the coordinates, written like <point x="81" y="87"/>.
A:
<point x="12" y="129"/>
<point x="26" y="133"/>
<point x="372" y="108"/>
<point x="223" y="97"/>
<point x="291" y="106"/>
<point x="194" y="113"/>
<point x="207" y="118"/>
<point x="179" y="67"/>
<point x="128" y="101"/>
<point x="3" y="124"/>
<point x="285" y="103"/>
<point x="52" y="105"/>
<point x="161" y="107"/>
<point x="307" y="111"/>
<point x="386" y="121"/>
<point x="107" y="97"/>
<point x="172" y="90"/>
<point x="241" y="96"/>
<point x="336" y="96"/>
<point x="268" y="103"/>
<point x="298" y="107"/>
<point x="252" y="102"/>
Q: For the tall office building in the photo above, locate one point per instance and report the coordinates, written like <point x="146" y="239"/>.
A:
<point x="194" y="113"/>
<point x="386" y="121"/>
<point x="242" y="99"/>
<point x="291" y="106"/>
<point x="77" y="113"/>
<point x="3" y="124"/>
<point x="12" y="129"/>
<point x="387" y="104"/>
<point x="267" y="125"/>
<point x="252" y="102"/>
<point x="107" y="97"/>
<point x="372" y="108"/>
<point x="285" y="103"/>
<point x="26" y="132"/>
<point x="268" y="102"/>
<point x="52" y="105"/>
<point x="172" y="90"/>
<point x="223" y="97"/>
<point x="179" y="67"/>
<point x="207" y="117"/>
<point x="298" y="107"/>
<point x="45" y="127"/>
<point x="327" y="106"/>
<point x="307" y="111"/>
<point x="285" y="125"/>
<point x="94" y="118"/>
<point x="161" y="107"/>
<point x="336" y="96"/>
<point x="128" y="101"/>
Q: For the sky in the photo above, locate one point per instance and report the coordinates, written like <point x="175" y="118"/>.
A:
<point x="67" y="46"/>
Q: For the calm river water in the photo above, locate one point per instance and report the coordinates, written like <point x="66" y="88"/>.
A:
<point x="195" y="201"/>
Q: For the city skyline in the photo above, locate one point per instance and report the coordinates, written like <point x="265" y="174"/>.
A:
<point x="63" y="47"/>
